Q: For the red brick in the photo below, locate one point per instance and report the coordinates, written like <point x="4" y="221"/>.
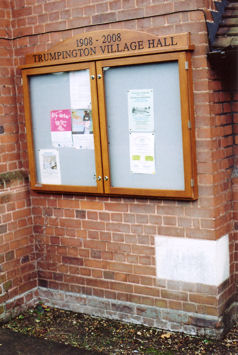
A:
<point x="68" y="204"/>
<point x="174" y="295"/>
<point x="115" y="5"/>
<point x="91" y="205"/>
<point x="70" y="242"/>
<point x="108" y="275"/>
<point x="93" y="234"/>
<point x="145" y="260"/>
<point x="149" y="291"/>
<point x="24" y="251"/>
<point x="54" y="6"/>
<point x="116" y="227"/>
<point x="75" y="3"/>
<point x="119" y="207"/>
<point x="203" y="299"/>
<point x="93" y="225"/>
<point x="93" y="244"/>
<point x="3" y="228"/>
<point x="121" y="287"/>
<point x="209" y="310"/>
<point x="158" y="9"/>
<point x="137" y="229"/>
<point x="144" y="270"/>
<point x="118" y="237"/>
<point x="96" y="254"/>
<point x="147" y="281"/>
<point x="104" y="18"/>
<point x="92" y="215"/>
<point x="120" y="267"/>
<point x="71" y="260"/>
<point x="142" y="250"/>
<point x="119" y="247"/>
<point x="142" y="208"/>
<point x="22" y="12"/>
<point x="169" y="221"/>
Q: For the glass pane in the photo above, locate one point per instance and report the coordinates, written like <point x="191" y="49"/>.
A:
<point x="144" y="126"/>
<point x="63" y="128"/>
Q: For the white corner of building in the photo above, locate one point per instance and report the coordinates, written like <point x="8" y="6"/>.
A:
<point x="192" y="260"/>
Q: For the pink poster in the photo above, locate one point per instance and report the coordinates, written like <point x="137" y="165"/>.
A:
<point x="60" y="120"/>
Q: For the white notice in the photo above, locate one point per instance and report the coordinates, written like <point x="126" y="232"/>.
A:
<point x="82" y="129"/>
<point x="83" y="141"/>
<point x="142" y="156"/>
<point x="49" y="166"/>
<point x="80" y="92"/>
<point x="141" y="110"/>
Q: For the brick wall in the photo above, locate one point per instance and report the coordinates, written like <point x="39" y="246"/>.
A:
<point x="8" y="131"/>
<point x="17" y="265"/>
<point x="235" y="182"/>
<point x="18" y="277"/>
<point x="223" y="157"/>
<point x="104" y="248"/>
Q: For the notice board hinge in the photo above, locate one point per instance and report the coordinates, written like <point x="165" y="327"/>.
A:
<point x="192" y="182"/>
<point x="186" y="65"/>
<point x="189" y="124"/>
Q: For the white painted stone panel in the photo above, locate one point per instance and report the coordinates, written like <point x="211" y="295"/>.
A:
<point x="192" y="260"/>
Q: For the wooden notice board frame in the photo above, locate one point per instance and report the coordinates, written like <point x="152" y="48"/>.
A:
<point x="35" y="184"/>
<point x="116" y="50"/>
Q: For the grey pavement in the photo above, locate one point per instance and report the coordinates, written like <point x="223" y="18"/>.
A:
<point x="12" y="343"/>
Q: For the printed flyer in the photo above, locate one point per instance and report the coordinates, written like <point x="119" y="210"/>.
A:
<point x="61" y="129"/>
<point x="49" y="166"/>
<point x="142" y="156"/>
<point x="141" y="110"/>
<point x="82" y="129"/>
<point x="80" y="91"/>
<point x="72" y="128"/>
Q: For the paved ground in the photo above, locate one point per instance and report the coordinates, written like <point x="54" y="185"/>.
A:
<point x="12" y="343"/>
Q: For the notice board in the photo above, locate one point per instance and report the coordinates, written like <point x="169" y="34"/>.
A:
<point x="145" y="150"/>
<point x="115" y="119"/>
